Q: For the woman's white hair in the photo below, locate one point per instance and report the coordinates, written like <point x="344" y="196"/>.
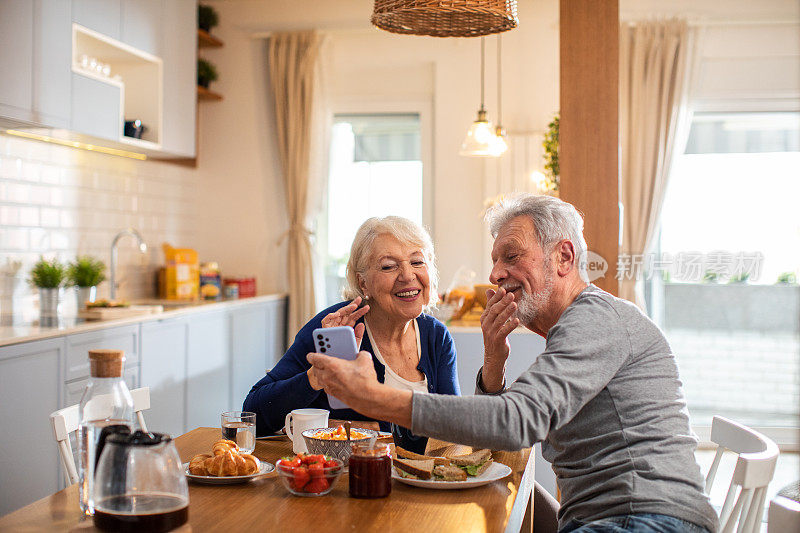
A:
<point x="553" y="220"/>
<point x="404" y="230"/>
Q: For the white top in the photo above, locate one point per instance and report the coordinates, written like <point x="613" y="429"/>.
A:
<point x="391" y="378"/>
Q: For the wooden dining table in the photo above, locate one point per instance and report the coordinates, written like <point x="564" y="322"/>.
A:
<point x="263" y="504"/>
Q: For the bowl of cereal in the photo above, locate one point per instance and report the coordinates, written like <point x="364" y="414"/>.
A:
<point x="333" y="441"/>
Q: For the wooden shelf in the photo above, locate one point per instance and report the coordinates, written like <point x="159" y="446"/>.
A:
<point x="205" y="94"/>
<point x="206" y="40"/>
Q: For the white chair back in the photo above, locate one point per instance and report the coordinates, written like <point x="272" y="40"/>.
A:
<point x="66" y="421"/>
<point x="754" y="469"/>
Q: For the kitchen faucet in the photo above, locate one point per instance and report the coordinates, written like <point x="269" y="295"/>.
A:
<point x="113" y="268"/>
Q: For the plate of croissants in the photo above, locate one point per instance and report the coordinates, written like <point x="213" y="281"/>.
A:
<point x="225" y="465"/>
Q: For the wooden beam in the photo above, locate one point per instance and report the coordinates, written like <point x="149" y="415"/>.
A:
<point x="589" y="139"/>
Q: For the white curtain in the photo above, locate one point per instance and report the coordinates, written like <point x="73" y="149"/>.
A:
<point x="295" y="76"/>
<point x="656" y="59"/>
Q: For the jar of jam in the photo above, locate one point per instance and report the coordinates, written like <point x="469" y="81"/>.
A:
<point x="370" y="471"/>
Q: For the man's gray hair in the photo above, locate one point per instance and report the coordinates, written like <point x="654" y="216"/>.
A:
<point x="404" y="230"/>
<point x="553" y="220"/>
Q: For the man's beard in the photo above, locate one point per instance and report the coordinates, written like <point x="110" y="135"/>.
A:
<point x="530" y="306"/>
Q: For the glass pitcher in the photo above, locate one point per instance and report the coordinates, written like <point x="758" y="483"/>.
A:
<point x="140" y="484"/>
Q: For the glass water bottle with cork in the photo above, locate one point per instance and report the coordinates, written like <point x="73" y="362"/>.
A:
<point x="106" y="407"/>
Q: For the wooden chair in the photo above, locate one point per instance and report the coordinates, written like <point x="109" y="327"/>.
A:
<point x="66" y="421"/>
<point x="754" y="469"/>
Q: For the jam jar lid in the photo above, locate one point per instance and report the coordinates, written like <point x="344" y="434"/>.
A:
<point x="378" y="449"/>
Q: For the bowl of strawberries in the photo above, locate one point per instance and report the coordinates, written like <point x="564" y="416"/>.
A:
<point x="309" y="475"/>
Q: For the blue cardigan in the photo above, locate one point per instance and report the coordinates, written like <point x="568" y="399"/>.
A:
<point x="286" y="386"/>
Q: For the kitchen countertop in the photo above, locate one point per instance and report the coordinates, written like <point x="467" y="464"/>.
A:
<point x="69" y="325"/>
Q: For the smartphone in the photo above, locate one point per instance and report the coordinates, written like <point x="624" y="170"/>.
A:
<point x="337" y="342"/>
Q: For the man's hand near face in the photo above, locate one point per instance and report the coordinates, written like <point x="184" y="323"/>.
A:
<point x="355" y="383"/>
<point x="496" y="323"/>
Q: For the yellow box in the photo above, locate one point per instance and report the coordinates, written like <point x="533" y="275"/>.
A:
<point x="181" y="274"/>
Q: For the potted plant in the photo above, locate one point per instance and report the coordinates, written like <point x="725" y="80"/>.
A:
<point x="206" y="73"/>
<point x="85" y="274"/>
<point x="49" y="277"/>
<point x="207" y="17"/>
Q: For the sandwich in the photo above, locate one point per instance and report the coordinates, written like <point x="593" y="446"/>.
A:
<point x="406" y="454"/>
<point x="474" y="463"/>
<point x="414" y="469"/>
<point x="449" y="473"/>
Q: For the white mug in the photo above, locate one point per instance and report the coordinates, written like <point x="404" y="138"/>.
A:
<point x="304" y="419"/>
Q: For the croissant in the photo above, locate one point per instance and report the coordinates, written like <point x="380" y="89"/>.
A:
<point x="223" y="464"/>
<point x="251" y="465"/>
<point x="222" y="446"/>
<point x="197" y="465"/>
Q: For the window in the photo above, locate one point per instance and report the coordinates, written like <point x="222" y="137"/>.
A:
<point x="375" y="170"/>
<point x="730" y="233"/>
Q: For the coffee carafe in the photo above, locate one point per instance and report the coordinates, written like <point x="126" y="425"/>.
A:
<point x="140" y="484"/>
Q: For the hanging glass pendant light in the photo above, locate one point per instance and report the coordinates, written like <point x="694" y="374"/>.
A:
<point x="479" y="137"/>
<point x="445" y="18"/>
<point x="498" y="145"/>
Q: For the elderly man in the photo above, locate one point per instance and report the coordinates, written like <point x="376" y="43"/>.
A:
<point x="604" y="397"/>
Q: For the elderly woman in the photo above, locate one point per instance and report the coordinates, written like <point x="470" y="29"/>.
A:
<point x="391" y="271"/>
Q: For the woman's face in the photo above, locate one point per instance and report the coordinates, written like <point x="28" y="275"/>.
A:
<point x="396" y="279"/>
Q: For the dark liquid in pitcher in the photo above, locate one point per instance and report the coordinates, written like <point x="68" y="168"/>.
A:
<point x="143" y="512"/>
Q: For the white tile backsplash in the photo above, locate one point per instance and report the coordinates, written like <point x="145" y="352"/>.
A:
<point x="60" y="202"/>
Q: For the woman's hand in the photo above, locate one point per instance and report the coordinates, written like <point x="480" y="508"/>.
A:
<point x="313" y="380"/>
<point x="348" y="315"/>
<point x="496" y="323"/>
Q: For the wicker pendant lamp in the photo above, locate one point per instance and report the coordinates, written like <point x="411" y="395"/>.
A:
<point x="445" y="18"/>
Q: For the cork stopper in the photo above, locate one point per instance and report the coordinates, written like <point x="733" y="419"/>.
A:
<point x="106" y="363"/>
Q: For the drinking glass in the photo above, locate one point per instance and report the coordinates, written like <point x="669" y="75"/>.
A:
<point x="240" y="427"/>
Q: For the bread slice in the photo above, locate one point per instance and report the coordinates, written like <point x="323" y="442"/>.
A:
<point x="415" y="468"/>
<point x="475" y="463"/>
<point x="449" y="473"/>
<point x="471" y="459"/>
<point x="406" y="454"/>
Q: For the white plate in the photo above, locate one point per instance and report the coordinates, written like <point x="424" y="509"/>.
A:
<point x="493" y="473"/>
<point x="264" y="468"/>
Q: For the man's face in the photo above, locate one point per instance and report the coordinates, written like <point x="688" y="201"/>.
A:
<point x="521" y="267"/>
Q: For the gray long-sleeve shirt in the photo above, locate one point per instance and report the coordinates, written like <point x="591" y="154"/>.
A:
<point x="605" y="399"/>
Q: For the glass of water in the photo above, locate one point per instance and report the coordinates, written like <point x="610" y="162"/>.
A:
<point x="240" y="427"/>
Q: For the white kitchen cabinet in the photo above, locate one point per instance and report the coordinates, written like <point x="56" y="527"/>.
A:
<point x="16" y="51"/>
<point x="142" y="24"/>
<point x="125" y="338"/>
<point x="150" y="44"/>
<point x="163" y="369"/>
<point x="29" y="391"/>
<point x="249" y="360"/>
<point x="258" y="341"/>
<point x="95" y="108"/>
<point x="208" y="370"/>
<point x="276" y="331"/>
<point x="102" y="16"/>
<point x="180" y="78"/>
<point x="52" y="76"/>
